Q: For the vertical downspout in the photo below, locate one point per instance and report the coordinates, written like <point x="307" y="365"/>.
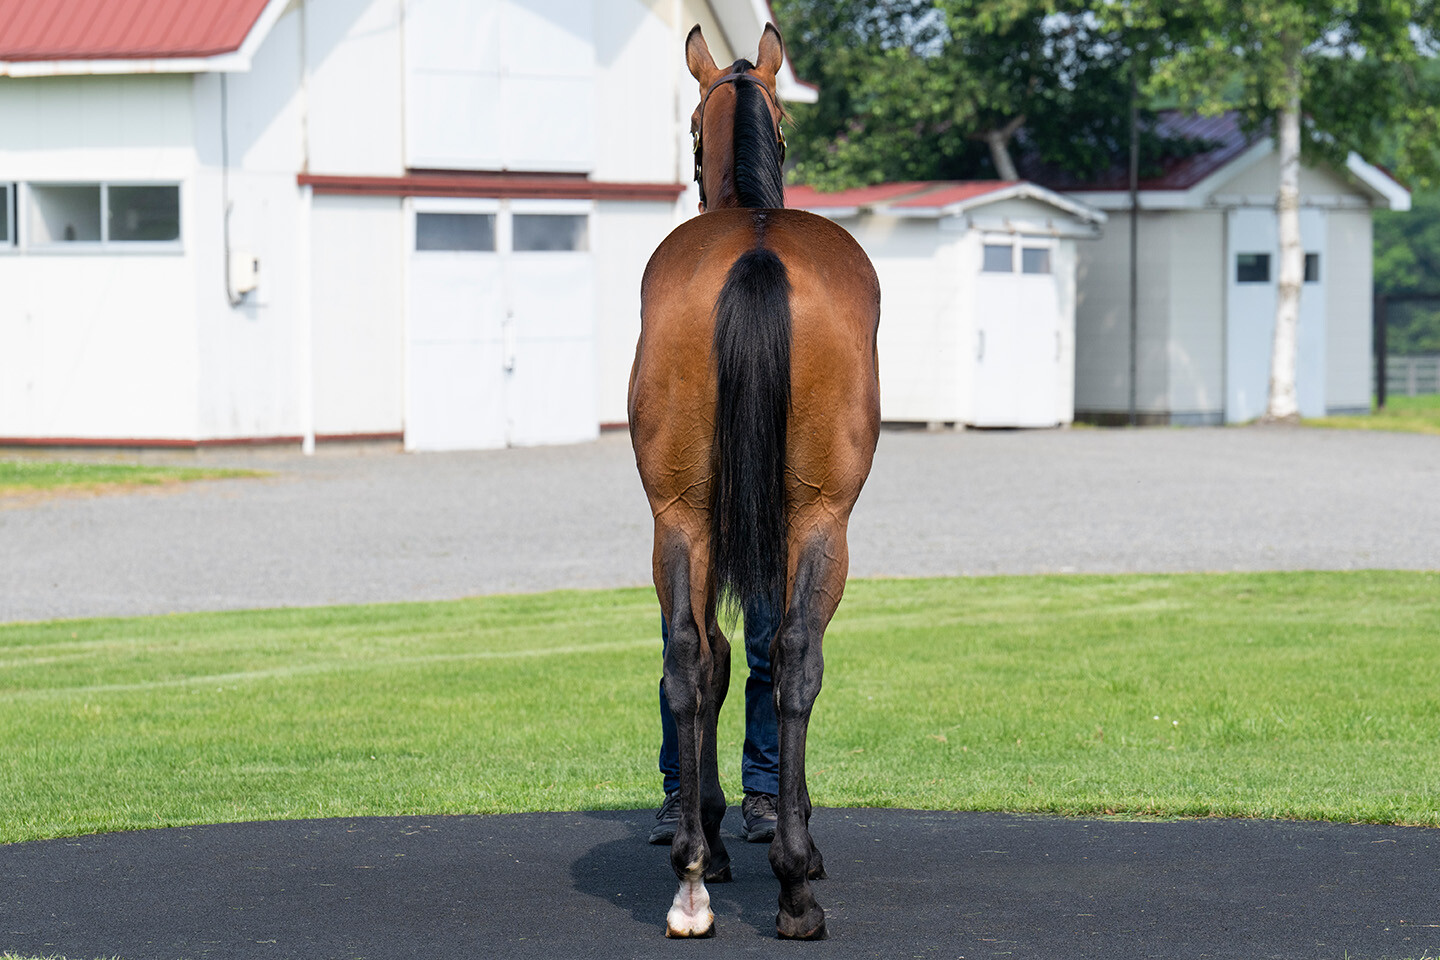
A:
<point x="303" y="320"/>
<point x="1134" y="237"/>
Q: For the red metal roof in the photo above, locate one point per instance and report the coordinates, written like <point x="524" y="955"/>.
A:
<point x="123" y="29"/>
<point x="808" y="198"/>
<point x="944" y="193"/>
<point x="905" y="194"/>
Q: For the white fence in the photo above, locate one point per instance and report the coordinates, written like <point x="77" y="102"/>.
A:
<point x="1411" y="376"/>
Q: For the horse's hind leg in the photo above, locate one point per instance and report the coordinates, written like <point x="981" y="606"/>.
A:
<point x="696" y="664"/>
<point x="798" y="664"/>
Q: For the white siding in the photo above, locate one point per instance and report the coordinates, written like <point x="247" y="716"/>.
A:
<point x="357" y="297"/>
<point x="926" y="310"/>
<point x="1196" y="345"/>
<point x="500" y="84"/>
<point x="250" y="377"/>
<point x="94" y="344"/>
<point x="625" y="235"/>
<point x="1349" y="293"/>
<point x="354" y="116"/>
<point x="1102" y="317"/>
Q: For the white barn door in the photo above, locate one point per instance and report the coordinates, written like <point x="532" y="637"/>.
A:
<point x="1251" y="290"/>
<point x="501" y="325"/>
<point x="1017" y="345"/>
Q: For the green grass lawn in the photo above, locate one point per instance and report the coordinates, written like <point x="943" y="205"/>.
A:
<point x="1311" y="695"/>
<point x="1404" y="414"/>
<point x="22" y="476"/>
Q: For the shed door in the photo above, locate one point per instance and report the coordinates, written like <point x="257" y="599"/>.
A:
<point x="501" y="341"/>
<point x="1252" y="284"/>
<point x="1017" y="343"/>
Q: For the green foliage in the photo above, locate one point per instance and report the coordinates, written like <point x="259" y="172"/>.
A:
<point x="1309" y="695"/>
<point x="909" y="88"/>
<point x="1363" y="72"/>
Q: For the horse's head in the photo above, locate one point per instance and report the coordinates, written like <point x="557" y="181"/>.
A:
<point x="738" y="142"/>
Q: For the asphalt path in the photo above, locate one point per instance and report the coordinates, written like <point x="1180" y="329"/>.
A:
<point x="586" y="885"/>
<point x="359" y="528"/>
<point x="377" y="526"/>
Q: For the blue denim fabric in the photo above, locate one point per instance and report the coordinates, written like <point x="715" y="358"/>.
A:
<point x="760" y="758"/>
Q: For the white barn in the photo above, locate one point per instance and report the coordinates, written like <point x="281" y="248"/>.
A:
<point x="233" y="221"/>
<point x="1208" y="271"/>
<point x="978" y="296"/>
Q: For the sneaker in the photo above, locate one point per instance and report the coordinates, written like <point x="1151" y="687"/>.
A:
<point x="669" y="817"/>
<point x="758" y="809"/>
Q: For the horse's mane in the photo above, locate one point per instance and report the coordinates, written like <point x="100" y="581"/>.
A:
<point x="758" y="180"/>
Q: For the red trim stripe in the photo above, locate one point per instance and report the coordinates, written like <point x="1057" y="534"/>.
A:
<point x="503" y="185"/>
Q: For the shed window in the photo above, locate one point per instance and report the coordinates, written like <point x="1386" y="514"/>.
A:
<point x="102" y="214"/>
<point x="143" y="214"/>
<point x="1312" y="268"/>
<point x="551" y="232"/>
<point x="7" y="214"/>
<point x="999" y="258"/>
<point x="1252" y="268"/>
<point x="64" y="213"/>
<point x="455" y="231"/>
<point x="1035" y="260"/>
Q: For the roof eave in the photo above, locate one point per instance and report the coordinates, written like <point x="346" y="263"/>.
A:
<point x="233" y="61"/>
<point x="1394" y="195"/>
<point x="745" y="20"/>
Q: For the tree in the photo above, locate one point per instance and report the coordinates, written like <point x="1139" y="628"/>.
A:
<point x="945" y="89"/>
<point x="1355" y="68"/>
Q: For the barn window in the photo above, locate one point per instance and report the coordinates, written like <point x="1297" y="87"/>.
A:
<point x="550" y="232"/>
<point x="1312" y="268"/>
<point x="999" y="258"/>
<point x="455" y="231"/>
<point x="1035" y="260"/>
<point x="102" y="214"/>
<point x="1252" y="268"/>
<point x="7" y="214"/>
<point x="64" y="213"/>
<point x="143" y="214"/>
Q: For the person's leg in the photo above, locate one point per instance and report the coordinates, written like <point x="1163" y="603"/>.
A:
<point x="669" y="752"/>
<point x="760" y="759"/>
<point x="668" y="816"/>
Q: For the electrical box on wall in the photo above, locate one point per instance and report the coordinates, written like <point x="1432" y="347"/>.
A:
<point x="244" y="273"/>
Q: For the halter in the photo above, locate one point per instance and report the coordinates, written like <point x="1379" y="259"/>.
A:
<point x="700" y="127"/>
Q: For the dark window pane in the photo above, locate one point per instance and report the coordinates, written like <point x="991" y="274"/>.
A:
<point x="455" y="231"/>
<point x="64" y="214"/>
<point x="1252" y="268"/>
<point x="999" y="258"/>
<point x="144" y="214"/>
<point x="548" y="231"/>
<point x="1312" y="268"/>
<point x="6" y="234"/>
<point x="1035" y="260"/>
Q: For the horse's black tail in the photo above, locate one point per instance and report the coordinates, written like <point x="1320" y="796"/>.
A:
<point x="752" y="353"/>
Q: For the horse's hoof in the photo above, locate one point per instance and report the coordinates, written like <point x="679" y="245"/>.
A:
<point x="686" y="934"/>
<point x="800" y="928"/>
<point x="722" y="875"/>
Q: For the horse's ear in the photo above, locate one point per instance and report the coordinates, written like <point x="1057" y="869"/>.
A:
<point x="698" y="59"/>
<point x="772" y="51"/>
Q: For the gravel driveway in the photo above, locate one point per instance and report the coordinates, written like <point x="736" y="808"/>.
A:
<point x="349" y="527"/>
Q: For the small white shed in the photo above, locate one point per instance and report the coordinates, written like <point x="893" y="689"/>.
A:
<point x="977" y="284"/>
<point x="1208" y="271"/>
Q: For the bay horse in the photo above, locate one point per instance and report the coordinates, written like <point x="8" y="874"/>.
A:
<point x="754" y="413"/>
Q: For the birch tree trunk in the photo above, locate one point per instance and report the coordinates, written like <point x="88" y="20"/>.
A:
<point x="1283" y="404"/>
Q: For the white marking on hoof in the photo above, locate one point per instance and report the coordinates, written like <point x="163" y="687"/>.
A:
<point x="690" y="914"/>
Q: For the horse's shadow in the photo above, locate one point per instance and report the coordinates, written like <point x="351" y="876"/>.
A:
<point x="630" y="873"/>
